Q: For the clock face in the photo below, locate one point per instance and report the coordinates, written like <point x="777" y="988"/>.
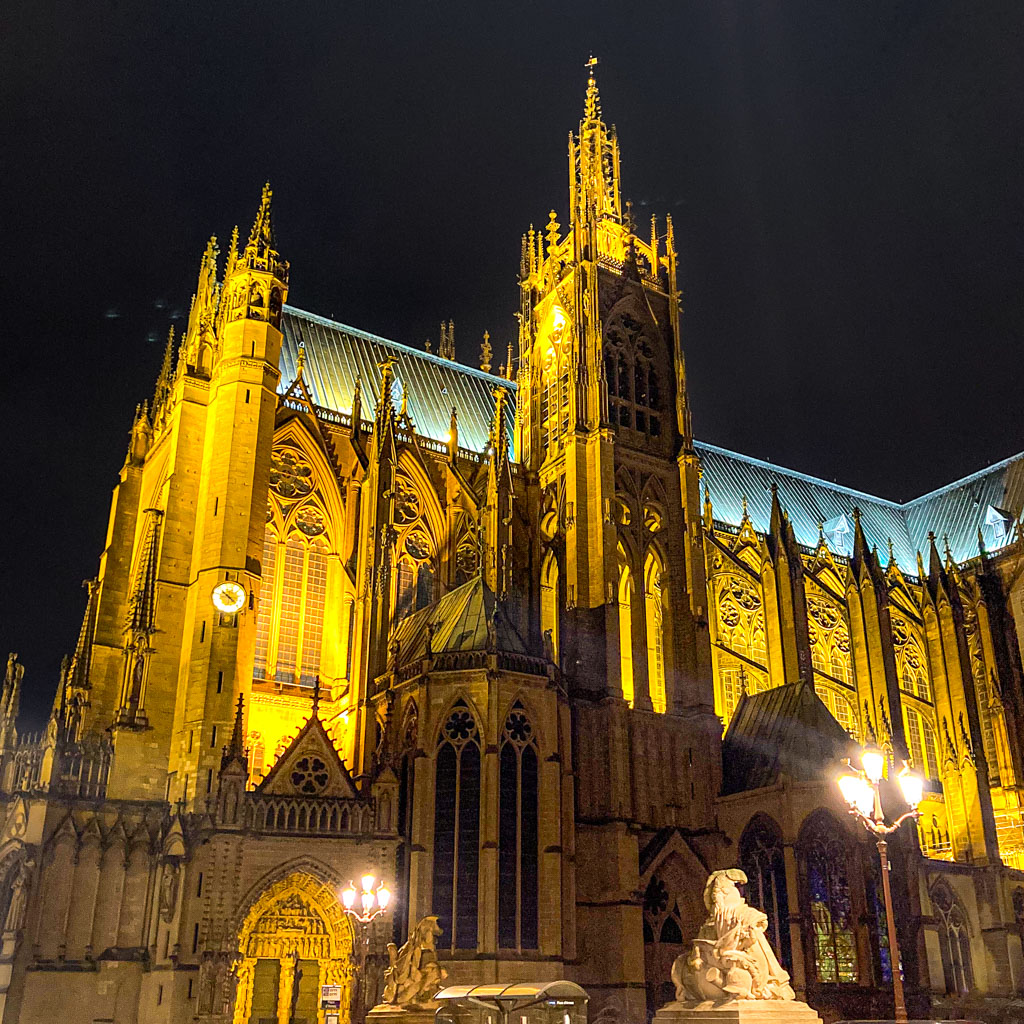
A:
<point x="229" y="597"/>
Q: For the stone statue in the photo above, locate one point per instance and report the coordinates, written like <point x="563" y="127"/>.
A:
<point x="20" y="884"/>
<point x="414" y="975"/>
<point x="731" y="958"/>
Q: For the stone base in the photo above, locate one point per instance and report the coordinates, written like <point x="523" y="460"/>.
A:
<point x="739" y="1011"/>
<point x="388" y="1013"/>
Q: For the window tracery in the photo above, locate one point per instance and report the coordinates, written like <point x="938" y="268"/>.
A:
<point x="827" y="857"/>
<point x="954" y="941"/>
<point x="662" y="919"/>
<point x="655" y="611"/>
<point x="741" y="642"/>
<point x="634" y="393"/>
<point x="518" y="833"/>
<point x="919" y="718"/>
<point x="457" y="829"/>
<point x="415" y="568"/>
<point x="829" y="638"/>
<point x="761" y="858"/>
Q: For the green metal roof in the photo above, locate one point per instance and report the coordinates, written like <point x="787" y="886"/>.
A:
<point x="784" y="730"/>
<point x="336" y="355"/>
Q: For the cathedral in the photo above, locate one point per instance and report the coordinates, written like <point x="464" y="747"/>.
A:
<point x="513" y="640"/>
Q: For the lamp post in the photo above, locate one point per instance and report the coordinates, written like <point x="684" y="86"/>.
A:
<point x="860" y="789"/>
<point x="364" y="907"/>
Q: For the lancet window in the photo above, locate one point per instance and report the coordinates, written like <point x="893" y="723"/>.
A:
<point x="740" y="641"/>
<point x="655" y="611"/>
<point x="517" y="833"/>
<point x="625" y="599"/>
<point x="827" y="857"/>
<point x="631" y="372"/>
<point x="954" y="941"/>
<point x="761" y="858"/>
<point x="555" y="400"/>
<point x="549" y="605"/>
<point x="918" y="712"/>
<point x="457" y="829"/>
<point x="415" y="561"/>
<point x="829" y="637"/>
<point x="293" y="593"/>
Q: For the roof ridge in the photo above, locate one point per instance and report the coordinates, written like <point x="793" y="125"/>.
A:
<point x="970" y="478"/>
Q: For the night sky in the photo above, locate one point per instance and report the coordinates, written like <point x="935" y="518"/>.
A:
<point x="845" y="179"/>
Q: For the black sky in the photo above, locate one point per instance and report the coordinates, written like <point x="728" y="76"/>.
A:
<point x="845" y="179"/>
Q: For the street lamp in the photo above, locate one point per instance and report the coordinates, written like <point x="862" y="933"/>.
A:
<point x="364" y="907"/>
<point x="860" y="790"/>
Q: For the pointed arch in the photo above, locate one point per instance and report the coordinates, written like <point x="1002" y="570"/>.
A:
<point x="457" y="789"/>
<point x="954" y="939"/>
<point x="625" y="592"/>
<point x="761" y="858"/>
<point x="518" y="815"/>
<point x="550" y="604"/>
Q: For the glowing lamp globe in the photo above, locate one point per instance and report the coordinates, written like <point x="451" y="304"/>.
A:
<point x="348" y="897"/>
<point x="857" y="792"/>
<point x="911" y="786"/>
<point x="874" y="762"/>
<point x="367" y="899"/>
<point x="368" y="881"/>
<point x="383" y="896"/>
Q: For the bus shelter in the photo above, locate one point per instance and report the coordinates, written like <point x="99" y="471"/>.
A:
<point x="522" y="1002"/>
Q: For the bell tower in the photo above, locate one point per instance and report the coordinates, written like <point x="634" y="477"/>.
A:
<point x="603" y="420"/>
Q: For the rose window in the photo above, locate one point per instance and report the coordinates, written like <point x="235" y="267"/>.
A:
<point x="290" y="475"/>
<point x="460" y="726"/>
<point x="310" y="521"/>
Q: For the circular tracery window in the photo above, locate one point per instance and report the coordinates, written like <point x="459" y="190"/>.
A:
<point x="309" y="775"/>
<point x="290" y="475"/>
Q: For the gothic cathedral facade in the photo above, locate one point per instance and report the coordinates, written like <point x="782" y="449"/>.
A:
<point x="520" y="645"/>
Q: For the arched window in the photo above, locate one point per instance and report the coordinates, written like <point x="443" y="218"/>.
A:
<point x="549" y="601"/>
<point x="293" y="594"/>
<point x="739" y="641"/>
<point x="517" y="834"/>
<point x="655" y="610"/>
<point x="919" y="724"/>
<point x="838" y="704"/>
<point x="457" y="829"/>
<point x="827" y="856"/>
<point x="761" y="858"/>
<point x="911" y="665"/>
<point x="954" y="940"/>
<point x="634" y="397"/>
<point x="626" y="630"/>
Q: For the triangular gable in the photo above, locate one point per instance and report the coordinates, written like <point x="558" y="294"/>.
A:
<point x="309" y="766"/>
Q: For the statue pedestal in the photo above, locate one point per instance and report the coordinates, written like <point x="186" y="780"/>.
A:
<point x="389" y="1013"/>
<point x="740" y="1011"/>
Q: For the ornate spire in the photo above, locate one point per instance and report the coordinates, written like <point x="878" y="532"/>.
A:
<point x="259" y="250"/>
<point x="235" y="750"/>
<point x="485" y="353"/>
<point x="446" y="346"/>
<point x="453" y="435"/>
<point x="142" y="602"/>
<point x="592" y="106"/>
<point x="229" y="266"/>
<point x="385" y="407"/>
<point x="165" y="378"/>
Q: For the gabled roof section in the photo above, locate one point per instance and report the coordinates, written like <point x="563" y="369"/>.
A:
<point x="785" y="730"/>
<point x="956" y="511"/>
<point x="336" y="355"/>
<point x="309" y="766"/>
<point x="459" y="621"/>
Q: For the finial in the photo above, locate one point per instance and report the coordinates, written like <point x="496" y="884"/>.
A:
<point x="300" y="361"/>
<point x="744" y="516"/>
<point x="821" y="532"/>
<point x="592" y="110"/>
<point x="232" y="253"/>
<point x="552" y="232"/>
<point x="946" y="549"/>
<point x="427" y="345"/>
<point x="892" y="555"/>
<point x="316" y="696"/>
<point x="630" y="222"/>
<point x="485" y="353"/>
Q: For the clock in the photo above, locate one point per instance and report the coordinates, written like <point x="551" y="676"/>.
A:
<point x="229" y="597"/>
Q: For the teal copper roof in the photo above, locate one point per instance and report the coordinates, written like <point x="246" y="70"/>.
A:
<point x="336" y="355"/>
<point x="991" y="499"/>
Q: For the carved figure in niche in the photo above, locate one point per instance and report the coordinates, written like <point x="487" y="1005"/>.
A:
<point x="731" y="958"/>
<point x="169" y="890"/>
<point x="20" y="885"/>
<point x="414" y="976"/>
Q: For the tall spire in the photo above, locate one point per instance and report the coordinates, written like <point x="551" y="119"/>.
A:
<point x="166" y="376"/>
<point x="592" y="107"/>
<point x="594" y="160"/>
<point x="260" y="248"/>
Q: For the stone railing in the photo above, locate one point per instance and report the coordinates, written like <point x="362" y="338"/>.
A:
<point x="310" y="815"/>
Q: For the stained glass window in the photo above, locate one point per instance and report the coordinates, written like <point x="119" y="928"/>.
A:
<point x="457" y="830"/>
<point x="655" y="610"/>
<point x="517" y="834"/>
<point x="265" y="617"/>
<point x="828" y="893"/>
